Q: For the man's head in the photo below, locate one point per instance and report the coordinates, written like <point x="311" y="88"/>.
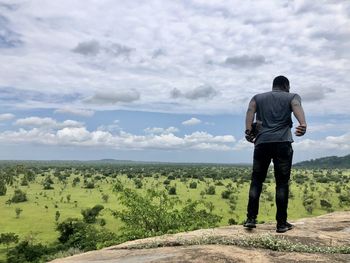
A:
<point x="281" y="83"/>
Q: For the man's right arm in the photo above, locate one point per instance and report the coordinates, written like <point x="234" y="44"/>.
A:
<point x="249" y="119"/>
<point x="299" y="114"/>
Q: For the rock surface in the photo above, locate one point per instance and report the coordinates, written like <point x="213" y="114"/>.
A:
<point x="328" y="230"/>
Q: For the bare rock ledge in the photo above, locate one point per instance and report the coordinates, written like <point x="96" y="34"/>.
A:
<point x="229" y="244"/>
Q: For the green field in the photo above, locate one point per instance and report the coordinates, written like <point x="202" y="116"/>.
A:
<point x="37" y="219"/>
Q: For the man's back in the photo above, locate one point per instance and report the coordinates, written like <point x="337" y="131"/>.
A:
<point x="273" y="110"/>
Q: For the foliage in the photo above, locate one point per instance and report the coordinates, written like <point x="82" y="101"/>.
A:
<point x="154" y="213"/>
<point x="8" y="238"/>
<point x="90" y="214"/>
<point x="3" y="188"/>
<point x="18" y="211"/>
<point x="193" y="185"/>
<point x="19" y="196"/>
<point x="26" y="251"/>
<point x="76" y="233"/>
<point x="172" y="190"/>
<point x="210" y="190"/>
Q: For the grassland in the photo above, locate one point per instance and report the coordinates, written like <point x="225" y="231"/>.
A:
<point x="37" y="220"/>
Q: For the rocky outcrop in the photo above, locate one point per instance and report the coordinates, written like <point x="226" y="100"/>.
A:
<point x="320" y="239"/>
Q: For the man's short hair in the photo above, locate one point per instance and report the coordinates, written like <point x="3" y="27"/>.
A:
<point x="281" y="82"/>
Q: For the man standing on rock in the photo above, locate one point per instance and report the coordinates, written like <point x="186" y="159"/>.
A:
<point x="272" y="137"/>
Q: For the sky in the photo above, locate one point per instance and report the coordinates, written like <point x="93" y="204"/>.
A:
<point x="167" y="80"/>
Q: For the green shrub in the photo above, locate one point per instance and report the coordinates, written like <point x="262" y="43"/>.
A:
<point x="154" y="213"/>
<point x="3" y="188"/>
<point x="172" y="190"/>
<point x="193" y="185"/>
<point x="210" y="190"/>
<point x="19" y="196"/>
<point x="25" y="251"/>
<point x="90" y="214"/>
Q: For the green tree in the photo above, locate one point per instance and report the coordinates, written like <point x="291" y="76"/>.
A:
<point x="172" y="190"/>
<point x="19" y="196"/>
<point x="193" y="185"/>
<point x="8" y="238"/>
<point x="18" y="211"/>
<point x="3" y="188"/>
<point x="105" y="198"/>
<point x="90" y="214"/>
<point x="210" y="190"/>
<point x="155" y="213"/>
<point x="57" y="216"/>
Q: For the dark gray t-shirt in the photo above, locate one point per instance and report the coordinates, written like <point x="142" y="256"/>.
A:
<point x="273" y="110"/>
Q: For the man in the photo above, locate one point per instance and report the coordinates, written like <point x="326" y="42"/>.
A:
<point x="272" y="137"/>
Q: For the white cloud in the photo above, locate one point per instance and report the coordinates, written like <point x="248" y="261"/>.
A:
<point x="75" y="111"/>
<point x="113" y="97"/>
<point x="80" y="47"/>
<point x="80" y="136"/>
<point x="46" y="122"/>
<point x="158" y="130"/>
<point x="200" y="92"/>
<point x="6" y="116"/>
<point x="191" y="122"/>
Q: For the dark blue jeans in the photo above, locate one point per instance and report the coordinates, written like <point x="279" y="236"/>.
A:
<point x="281" y="153"/>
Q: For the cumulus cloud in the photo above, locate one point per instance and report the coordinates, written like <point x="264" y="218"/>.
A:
<point x="89" y="48"/>
<point x="158" y="130"/>
<point x="80" y="136"/>
<point x="246" y="61"/>
<point x="117" y="50"/>
<point x="6" y="116"/>
<point x="92" y="48"/>
<point x="113" y="97"/>
<point x="75" y="111"/>
<point x="191" y="122"/>
<point x="200" y="92"/>
<point x="46" y="122"/>
<point x="315" y="93"/>
<point x="329" y="143"/>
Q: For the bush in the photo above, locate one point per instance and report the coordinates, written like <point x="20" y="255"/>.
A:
<point x="26" y="252"/>
<point x="166" y="182"/>
<point x="19" y="196"/>
<point x="226" y="194"/>
<point x="154" y="214"/>
<point x="172" y="190"/>
<point x="193" y="185"/>
<point x="138" y="183"/>
<point x="76" y="233"/>
<point x="89" y="185"/>
<point x="3" y="188"/>
<point x="8" y="238"/>
<point x="90" y="214"/>
<point x="210" y="190"/>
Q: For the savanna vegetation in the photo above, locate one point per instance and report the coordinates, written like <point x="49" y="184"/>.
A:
<point x="55" y="209"/>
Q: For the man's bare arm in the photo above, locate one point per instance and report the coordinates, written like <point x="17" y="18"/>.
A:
<point x="299" y="114"/>
<point x="249" y="118"/>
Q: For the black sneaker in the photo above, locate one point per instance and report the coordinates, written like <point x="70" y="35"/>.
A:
<point x="250" y="223"/>
<point x="283" y="227"/>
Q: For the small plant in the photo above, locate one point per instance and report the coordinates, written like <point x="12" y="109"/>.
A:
<point x="19" y="196"/>
<point x="18" y="211"/>
<point x="172" y="190"/>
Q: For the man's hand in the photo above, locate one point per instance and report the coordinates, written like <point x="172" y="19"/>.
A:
<point x="249" y="136"/>
<point x="300" y="130"/>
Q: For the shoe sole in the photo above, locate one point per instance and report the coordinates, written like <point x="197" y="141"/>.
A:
<point x="250" y="226"/>
<point x="284" y="230"/>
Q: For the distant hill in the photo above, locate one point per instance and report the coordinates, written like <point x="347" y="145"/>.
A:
<point x="326" y="162"/>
